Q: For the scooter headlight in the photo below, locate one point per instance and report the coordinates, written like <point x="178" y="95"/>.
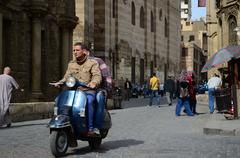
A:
<point x="71" y="81"/>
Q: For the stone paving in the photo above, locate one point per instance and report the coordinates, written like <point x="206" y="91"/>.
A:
<point x="138" y="131"/>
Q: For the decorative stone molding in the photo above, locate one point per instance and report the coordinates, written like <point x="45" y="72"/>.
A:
<point x="36" y="9"/>
<point x="232" y="10"/>
<point x="68" y="21"/>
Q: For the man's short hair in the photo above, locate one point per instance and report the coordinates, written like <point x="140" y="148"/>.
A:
<point x="82" y="45"/>
<point x="154" y="74"/>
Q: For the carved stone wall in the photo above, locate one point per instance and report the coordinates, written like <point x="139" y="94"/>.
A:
<point x="117" y="40"/>
<point x="21" y="21"/>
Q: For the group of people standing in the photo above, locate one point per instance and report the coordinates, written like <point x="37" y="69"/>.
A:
<point x="184" y="89"/>
<point x="156" y="89"/>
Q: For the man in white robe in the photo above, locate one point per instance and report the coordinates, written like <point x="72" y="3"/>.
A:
<point x="7" y="83"/>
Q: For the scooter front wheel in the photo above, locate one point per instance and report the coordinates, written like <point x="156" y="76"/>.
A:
<point x="59" y="142"/>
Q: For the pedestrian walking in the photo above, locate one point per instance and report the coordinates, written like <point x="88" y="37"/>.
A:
<point x="154" y="86"/>
<point x="183" y="98"/>
<point x="128" y="89"/>
<point x="182" y="94"/>
<point x="213" y="83"/>
<point x="145" y="89"/>
<point x="192" y="94"/>
<point x="116" y="95"/>
<point x="7" y="83"/>
<point x="169" y="87"/>
<point x="161" y="89"/>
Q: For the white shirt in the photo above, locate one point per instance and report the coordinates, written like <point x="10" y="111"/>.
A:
<point x="214" y="82"/>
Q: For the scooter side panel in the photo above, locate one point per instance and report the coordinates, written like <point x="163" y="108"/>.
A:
<point x="107" y="123"/>
<point x="65" y="98"/>
<point x="64" y="102"/>
<point x="78" y="112"/>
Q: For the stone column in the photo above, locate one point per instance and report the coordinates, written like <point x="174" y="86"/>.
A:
<point x="1" y="48"/>
<point x="66" y="51"/>
<point x="36" y="59"/>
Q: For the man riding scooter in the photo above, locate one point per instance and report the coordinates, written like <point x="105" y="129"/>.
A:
<point x="86" y="71"/>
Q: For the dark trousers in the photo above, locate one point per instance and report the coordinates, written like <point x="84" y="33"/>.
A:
<point x="193" y="104"/>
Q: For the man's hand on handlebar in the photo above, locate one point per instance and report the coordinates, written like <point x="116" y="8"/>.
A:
<point x="92" y="85"/>
<point x="56" y="84"/>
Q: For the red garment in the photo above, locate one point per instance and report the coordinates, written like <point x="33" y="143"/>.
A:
<point x="191" y="88"/>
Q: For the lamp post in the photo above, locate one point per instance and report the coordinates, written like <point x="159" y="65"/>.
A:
<point x="233" y="87"/>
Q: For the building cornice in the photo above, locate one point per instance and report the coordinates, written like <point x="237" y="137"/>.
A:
<point x="231" y="8"/>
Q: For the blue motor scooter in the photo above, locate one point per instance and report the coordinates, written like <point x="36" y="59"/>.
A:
<point x="69" y="123"/>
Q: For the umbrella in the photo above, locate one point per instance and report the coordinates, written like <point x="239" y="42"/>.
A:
<point x="221" y="56"/>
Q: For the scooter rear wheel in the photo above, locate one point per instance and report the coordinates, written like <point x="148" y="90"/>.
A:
<point x="95" y="142"/>
<point x="59" y="143"/>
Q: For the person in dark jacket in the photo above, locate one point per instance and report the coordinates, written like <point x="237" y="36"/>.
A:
<point x="169" y="87"/>
<point x="128" y="88"/>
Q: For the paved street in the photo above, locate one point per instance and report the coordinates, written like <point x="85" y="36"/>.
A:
<point x="138" y="131"/>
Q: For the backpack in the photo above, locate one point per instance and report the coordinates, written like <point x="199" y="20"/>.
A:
<point x="183" y="89"/>
<point x="106" y="75"/>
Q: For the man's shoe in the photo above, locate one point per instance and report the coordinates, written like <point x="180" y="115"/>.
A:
<point x="96" y="131"/>
<point x="90" y="133"/>
<point x="9" y="125"/>
<point x="170" y="104"/>
<point x="93" y="133"/>
<point x="195" y="113"/>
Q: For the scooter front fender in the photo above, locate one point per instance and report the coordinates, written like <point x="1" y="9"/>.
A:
<point x="60" y="121"/>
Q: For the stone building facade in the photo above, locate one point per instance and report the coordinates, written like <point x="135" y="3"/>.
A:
<point x="194" y="47"/>
<point x="223" y="16"/>
<point x="135" y="37"/>
<point x="36" y="42"/>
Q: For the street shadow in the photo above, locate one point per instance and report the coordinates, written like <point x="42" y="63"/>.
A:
<point x="201" y="113"/>
<point x="25" y="125"/>
<point x="106" y="146"/>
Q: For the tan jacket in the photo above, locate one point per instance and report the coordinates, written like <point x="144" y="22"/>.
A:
<point x="87" y="72"/>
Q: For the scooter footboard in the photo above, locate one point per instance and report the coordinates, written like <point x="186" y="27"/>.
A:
<point x="79" y="123"/>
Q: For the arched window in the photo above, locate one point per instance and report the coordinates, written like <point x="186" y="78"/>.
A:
<point x="142" y="17"/>
<point x="232" y="24"/>
<point x="152" y="22"/>
<point x="166" y="28"/>
<point x="160" y="14"/>
<point x="114" y="8"/>
<point x="133" y="13"/>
